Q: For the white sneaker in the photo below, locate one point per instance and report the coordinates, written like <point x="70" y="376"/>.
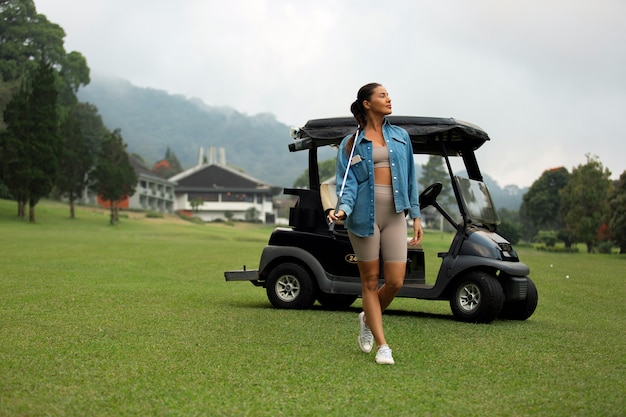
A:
<point x="366" y="339"/>
<point x="383" y="356"/>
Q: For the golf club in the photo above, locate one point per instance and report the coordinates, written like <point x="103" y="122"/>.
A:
<point x="331" y="225"/>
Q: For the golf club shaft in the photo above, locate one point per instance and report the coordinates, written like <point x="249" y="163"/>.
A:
<point x="331" y="226"/>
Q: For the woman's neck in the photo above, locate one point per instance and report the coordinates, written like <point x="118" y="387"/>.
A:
<point x="375" y="124"/>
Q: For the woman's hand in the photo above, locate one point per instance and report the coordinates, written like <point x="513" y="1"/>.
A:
<point x="418" y="233"/>
<point x="333" y="217"/>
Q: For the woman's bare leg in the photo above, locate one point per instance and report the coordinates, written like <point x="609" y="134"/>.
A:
<point x="370" y="272"/>
<point x="394" y="273"/>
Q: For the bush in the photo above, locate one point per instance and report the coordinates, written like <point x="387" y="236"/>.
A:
<point x="605" y="247"/>
<point x="4" y="192"/>
<point x="557" y="249"/>
<point x="510" y="231"/>
<point x="154" y="215"/>
<point x="547" y="237"/>
<point x="189" y="218"/>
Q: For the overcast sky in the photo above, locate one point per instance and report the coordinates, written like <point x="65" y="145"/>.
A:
<point x="545" y="78"/>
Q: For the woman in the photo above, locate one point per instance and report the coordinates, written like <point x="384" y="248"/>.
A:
<point x="380" y="186"/>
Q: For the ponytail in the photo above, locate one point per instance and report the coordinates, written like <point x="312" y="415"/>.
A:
<point x="358" y="111"/>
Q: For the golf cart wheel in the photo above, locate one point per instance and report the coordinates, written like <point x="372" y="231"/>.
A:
<point x="477" y="297"/>
<point x="336" y="301"/>
<point x="290" y="286"/>
<point x="521" y="310"/>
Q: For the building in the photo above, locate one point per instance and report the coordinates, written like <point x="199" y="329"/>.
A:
<point x="152" y="192"/>
<point x="214" y="191"/>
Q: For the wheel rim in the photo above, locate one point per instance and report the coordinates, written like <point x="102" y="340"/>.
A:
<point x="287" y="288"/>
<point x="468" y="297"/>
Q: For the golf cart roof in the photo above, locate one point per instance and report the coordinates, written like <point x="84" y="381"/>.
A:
<point x="426" y="133"/>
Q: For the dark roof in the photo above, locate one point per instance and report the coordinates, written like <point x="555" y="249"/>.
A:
<point x="426" y="133"/>
<point x="220" y="177"/>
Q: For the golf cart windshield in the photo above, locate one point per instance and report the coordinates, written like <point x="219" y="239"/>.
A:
<point x="477" y="203"/>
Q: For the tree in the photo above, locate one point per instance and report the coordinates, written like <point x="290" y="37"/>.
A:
<point x="7" y="92"/>
<point x="168" y="166"/>
<point x="31" y="144"/>
<point x="617" y="214"/>
<point x="195" y="204"/>
<point x="75" y="161"/>
<point x="326" y="170"/>
<point x="26" y="40"/>
<point x="584" y="200"/>
<point x="541" y="205"/>
<point x="252" y="215"/>
<point x="91" y="126"/>
<point x="113" y="177"/>
<point x="510" y="226"/>
<point x="13" y="154"/>
<point x="27" y="37"/>
<point x="434" y="171"/>
<point x="47" y="142"/>
<point x="74" y="73"/>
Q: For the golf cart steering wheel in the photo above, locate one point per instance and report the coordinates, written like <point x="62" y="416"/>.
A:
<point x="429" y="195"/>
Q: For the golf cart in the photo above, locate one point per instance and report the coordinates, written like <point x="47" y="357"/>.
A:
<point x="480" y="274"/>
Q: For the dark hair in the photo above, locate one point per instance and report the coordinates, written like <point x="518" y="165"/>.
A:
<point x="358" y="111"/>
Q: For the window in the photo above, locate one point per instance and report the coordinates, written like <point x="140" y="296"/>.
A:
<point x="203" y="196"/>
<point x="240" y="197"/>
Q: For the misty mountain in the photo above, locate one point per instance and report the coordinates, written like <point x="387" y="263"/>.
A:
<point x="509" y="197"/>
<point x="153" y="120"/>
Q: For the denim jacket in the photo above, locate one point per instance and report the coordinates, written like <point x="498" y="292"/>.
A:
<point x="357" y="200"/>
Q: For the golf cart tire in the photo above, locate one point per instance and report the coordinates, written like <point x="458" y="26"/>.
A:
<point x="336" y="301"/>
<point x="477" y="297"/>
<point x="521" y="310"/>
<point x="289" y="286"/>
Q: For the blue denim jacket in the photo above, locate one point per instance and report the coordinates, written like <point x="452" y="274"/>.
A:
<point x="357" y="200"/>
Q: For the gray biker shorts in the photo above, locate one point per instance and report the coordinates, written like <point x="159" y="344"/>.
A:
<point x="390" y="231"/>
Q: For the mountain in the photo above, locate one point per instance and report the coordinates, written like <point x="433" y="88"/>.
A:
<point x="153" y="120"/>
<point x="509" y="197"/>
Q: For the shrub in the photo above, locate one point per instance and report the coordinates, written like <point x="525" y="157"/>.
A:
<point x="557" y="249"/>
<point x="510" y="231"/>
<point x="605" y="247"/>
<point x="189" y="218"/>
<point x="547" y="237"/>
<point x="154" y="215"/>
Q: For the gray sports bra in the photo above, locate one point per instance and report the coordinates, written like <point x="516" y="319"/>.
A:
<point x="380" y="156"/>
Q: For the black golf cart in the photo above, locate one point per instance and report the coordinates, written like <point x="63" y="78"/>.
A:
<point x="480" y="274"/>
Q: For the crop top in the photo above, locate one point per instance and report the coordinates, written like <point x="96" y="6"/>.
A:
<point x="380" y="155"/>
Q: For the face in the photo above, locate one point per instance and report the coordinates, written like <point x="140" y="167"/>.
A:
<point x="379" y="103"/>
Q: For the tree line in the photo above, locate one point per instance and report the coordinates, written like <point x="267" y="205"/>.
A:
<point x="49" y="141"/>
<point x="584" y="206"/>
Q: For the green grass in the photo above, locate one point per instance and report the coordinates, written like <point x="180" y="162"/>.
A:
<point x="137" y="320"/>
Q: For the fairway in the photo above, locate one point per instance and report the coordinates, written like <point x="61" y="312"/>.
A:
<point x="137" y="320"/>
